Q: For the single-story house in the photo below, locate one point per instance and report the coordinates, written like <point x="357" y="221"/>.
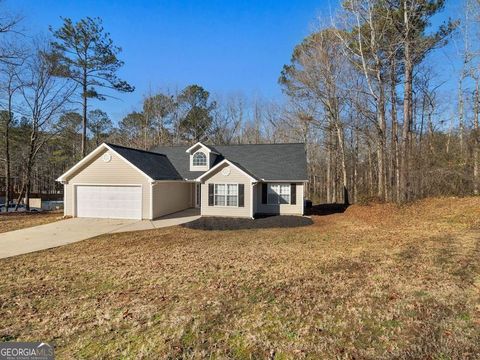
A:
<point x="227" y="180"/>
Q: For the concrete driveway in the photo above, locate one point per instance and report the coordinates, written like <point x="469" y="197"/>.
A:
<point x="72" y="230"/>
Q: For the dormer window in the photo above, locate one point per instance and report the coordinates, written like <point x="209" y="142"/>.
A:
<point x="199" y="159"/>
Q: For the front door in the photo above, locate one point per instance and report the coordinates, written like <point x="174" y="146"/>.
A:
<point x="198" y="195"/>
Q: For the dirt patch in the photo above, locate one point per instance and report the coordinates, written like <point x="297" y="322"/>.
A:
<point x="268" y="222"/>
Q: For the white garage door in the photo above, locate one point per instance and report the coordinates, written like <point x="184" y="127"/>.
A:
<point x="115" y="202"/>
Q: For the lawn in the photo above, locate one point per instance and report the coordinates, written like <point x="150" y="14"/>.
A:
<point x="373" y="282"/>
<point x="16" y="221"/>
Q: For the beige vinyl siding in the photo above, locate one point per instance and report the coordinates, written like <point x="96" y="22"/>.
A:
<point x="235" y="177"/>
<point x="282" y="209"/>
<point x="67" y="200"/>
<point x="170" y="197"/>
<point x="68" y="203"/>
<point x="115" y="172"/>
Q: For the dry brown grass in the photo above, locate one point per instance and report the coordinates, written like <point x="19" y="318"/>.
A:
<point x="373" y="282"/>
<point x="16" y="221"/>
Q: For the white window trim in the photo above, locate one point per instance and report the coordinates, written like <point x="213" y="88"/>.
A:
<point x="269" y="191"/>
<point x="205" y="157"/>
<point x="200" y="167"/>
<point x="226" y="194"/>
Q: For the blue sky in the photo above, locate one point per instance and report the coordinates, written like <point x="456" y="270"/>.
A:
<point x="226" y="46"/>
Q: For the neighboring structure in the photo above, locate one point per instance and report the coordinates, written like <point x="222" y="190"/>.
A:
<point x="229" y="180"/>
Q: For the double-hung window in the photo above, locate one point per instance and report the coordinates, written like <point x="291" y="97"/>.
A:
<point x="278" y="194"/>
<point x="226" y="195"/>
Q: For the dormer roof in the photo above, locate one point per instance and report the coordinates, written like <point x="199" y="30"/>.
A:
<point x="209" y="148"/>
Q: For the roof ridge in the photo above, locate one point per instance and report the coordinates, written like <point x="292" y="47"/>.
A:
<point x="130" y="148"/>
<point x="294" y="143"/>
<point x="178" y="145"/>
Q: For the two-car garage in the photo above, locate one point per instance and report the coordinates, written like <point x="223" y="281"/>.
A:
<point x="108" y="201"/>
<point x="106" y="185"/>
<point x="123" y="183"/>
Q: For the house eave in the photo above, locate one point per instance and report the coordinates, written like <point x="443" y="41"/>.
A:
<point x="189" y="150"/>
<point x="287" y="181"/>
<point x="199" y="179"/>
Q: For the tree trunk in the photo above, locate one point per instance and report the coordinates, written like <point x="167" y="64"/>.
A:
<point x="355" y="167"/>
<point x="394" y="135"/>
<point x="407" y="109"/>
<point x="19" y="199"/>
<point x="381" y="133"/>
<point x="145" y="127"/>
<point x="28" y="169"/>
<point x="84" y="119"/>
<point x="7" y="153"/>
<point x="461" y="121"/>
<point x="329" y="167"/>
<point x="476" y="141"/>
<point x="27" y="190"/>
<point x="341" y="148"/>
<point x="370" y="169"/>
<point x="332" y="189"/>
<point x="7" y="167"/>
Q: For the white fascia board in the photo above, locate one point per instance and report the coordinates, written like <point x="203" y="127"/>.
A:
<point x="92" y="155"/>
<point x="202" y="145"/>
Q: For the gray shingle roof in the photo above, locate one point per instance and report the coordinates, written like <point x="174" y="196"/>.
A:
<point x="264" y="161"/>
<point x="180" y="160"/>
<point x="155" y="165"/>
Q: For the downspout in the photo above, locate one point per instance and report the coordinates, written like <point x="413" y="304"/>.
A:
<point x="152" y="184"/>
<point x="252" y="185"/>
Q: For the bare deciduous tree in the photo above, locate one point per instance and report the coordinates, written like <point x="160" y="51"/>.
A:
<point x="44" y="99"/>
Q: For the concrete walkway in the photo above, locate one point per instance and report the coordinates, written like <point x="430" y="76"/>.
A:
<point x="177" y="218"/>
<point x="72" y="230"/>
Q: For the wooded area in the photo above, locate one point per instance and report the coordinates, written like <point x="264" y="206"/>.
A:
<point x="362" y="92"/>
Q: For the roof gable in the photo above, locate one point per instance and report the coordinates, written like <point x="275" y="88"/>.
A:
<point x="152" y="165"/>
<point x="226" y="161"/>
<point x="201" y="145"/>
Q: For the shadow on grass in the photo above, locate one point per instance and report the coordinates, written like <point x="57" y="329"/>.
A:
<point x="264" y="222"/>
<point x="326" y="209"/>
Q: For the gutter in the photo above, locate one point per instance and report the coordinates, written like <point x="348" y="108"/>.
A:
<point x="285" y="181"/>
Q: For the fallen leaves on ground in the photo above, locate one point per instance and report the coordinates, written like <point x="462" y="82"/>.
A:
<point x="376" y="281"/>
<point x="21" y="220"/>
